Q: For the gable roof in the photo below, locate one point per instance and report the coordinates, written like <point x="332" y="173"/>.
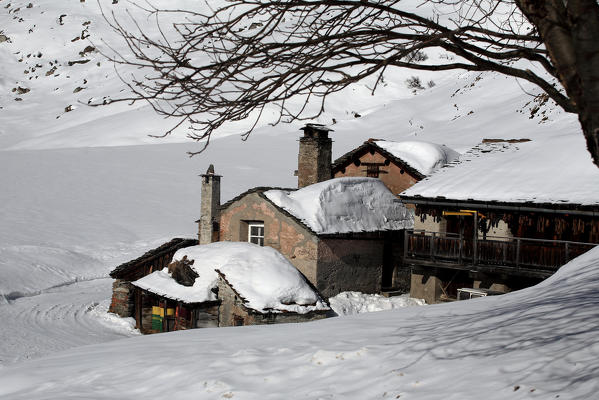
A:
<point x="164" y="249"/>
<point x="258" y="189"/>
<point x="263" y="278"/>
<point x="417" y="157"/>
<point x="344" y="205"/>
<point x="556" y="171"/>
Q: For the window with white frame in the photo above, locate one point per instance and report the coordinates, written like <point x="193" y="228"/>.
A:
<point x="256" y="233"/>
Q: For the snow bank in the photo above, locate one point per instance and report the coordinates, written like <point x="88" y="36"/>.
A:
<point x="261" y="275"/>
<point x="537" y="343"/>
<point x="425" y="157"/>
<point x="539" y="171"/>
<point x="350" y="303"/>
<point x="344" y="205"/>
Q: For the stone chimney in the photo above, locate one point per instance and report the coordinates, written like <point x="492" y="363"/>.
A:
<point x="315" y="155"/>
<point x="209" y="218"/>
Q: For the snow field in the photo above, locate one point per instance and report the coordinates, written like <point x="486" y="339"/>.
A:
<point x="71" y="209"/>
<point x="351" y="303"/>
<point x="58" y="319"/>
<point x="540" y="342"/>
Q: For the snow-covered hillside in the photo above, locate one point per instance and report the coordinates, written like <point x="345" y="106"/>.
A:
<point x="77" y="202"/>
<point x="539" y="343"/>
<point x="84" y="189"/>
<point x="46" y="70"/>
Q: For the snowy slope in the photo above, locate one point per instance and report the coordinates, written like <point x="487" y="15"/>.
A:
<point x="538" y="343"/>
<point x="83" y="191"/>
<point x="459" y="110"/>
<point x="59" y="319"/>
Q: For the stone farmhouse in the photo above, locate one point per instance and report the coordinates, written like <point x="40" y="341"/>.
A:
<point x="225" y="284"/>
<point x="399" y="165"/>
<point x="341" y="234"/>
<point x="363" y="255"/>
<point x="505" y="216"/>
<point x="342" y="228"/>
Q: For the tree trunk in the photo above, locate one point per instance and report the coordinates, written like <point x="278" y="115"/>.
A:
<point x="570" y="31"/>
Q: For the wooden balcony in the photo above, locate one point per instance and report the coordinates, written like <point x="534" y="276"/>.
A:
<point x="522" y="256"/>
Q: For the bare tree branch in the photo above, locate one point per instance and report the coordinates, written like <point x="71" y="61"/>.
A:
<point x="229" y="63"/>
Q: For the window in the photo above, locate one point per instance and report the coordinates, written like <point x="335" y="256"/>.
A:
<point x="373" y="170"/>
<point x="256" y="233"/>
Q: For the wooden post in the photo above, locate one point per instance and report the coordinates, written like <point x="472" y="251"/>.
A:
<point x="461" y="246"/>
<point x="406" y="243"/>
<point x="432" y="248"/>
<point x="567" y="253"/>
<point x="475" y="242"/>
<point x="164" y="323"/>
<point x="517" y="252"/>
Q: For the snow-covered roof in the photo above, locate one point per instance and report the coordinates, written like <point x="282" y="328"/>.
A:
<point x="344" y="205"/>
<point x="425" y="157"/>
<point x="260" y="275"/>
<point x="559" y="170"/>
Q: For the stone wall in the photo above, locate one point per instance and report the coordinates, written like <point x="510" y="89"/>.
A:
<point x="206" y="316"/>
<point x="314" y="160"/>
<point x="122" y="302"/>
<point x="349" y="264"/>
<point x="233" y="313"/>
<point x="425" y="284"/>
<point x="210" y="202"/>
<point x="281" y="232"/>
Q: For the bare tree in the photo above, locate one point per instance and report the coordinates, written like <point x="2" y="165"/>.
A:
<point x="233" y="61"/>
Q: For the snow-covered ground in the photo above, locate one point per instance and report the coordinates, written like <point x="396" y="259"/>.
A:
<point x="85" y="189"/>
<point x="58" y="319"/>
<point x="351" y="303"/>
<point x="538" y="343"/>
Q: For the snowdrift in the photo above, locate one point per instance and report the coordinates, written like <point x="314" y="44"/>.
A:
<point x="344" y="205"/>
<point x="540" y="342"/>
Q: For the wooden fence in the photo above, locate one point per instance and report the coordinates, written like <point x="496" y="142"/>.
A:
<point x="536" y="254"/>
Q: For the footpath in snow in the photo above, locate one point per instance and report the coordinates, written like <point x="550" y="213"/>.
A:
<point x="59" y="319"/>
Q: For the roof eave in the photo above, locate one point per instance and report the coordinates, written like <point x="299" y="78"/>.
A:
<point x="554" y="208"/>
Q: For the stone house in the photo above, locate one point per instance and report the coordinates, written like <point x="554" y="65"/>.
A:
<point x="225" y="284"/>
<point x="340" y="233"/>
<point x="482" y="224"/>
<point x="352" y="246"/>
<point x="337" y="253"/>
<point x="126" y="301"/>
<point x="399" y="165"/>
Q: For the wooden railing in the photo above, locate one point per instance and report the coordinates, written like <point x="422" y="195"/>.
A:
<point x="538" y="254"/>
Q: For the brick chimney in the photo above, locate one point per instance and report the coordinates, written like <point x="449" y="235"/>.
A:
<point x="209" y="218"/>
<point x="315" y="155"/>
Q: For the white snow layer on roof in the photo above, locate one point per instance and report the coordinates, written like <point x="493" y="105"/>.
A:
<point x="162" y="284"/>
<point x="261" y="275"/>
<point x="344" y="205"/>
<point x="555" y="171"/>
<point x="425" y="157"/>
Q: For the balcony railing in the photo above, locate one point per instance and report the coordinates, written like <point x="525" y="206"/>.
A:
<point x="524" y="253"/>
